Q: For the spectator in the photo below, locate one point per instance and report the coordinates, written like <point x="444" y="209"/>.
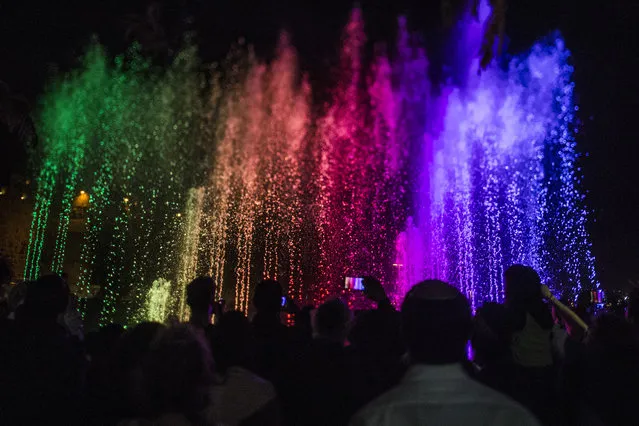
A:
<point x="271" y="335"/>
<point x="530" y="319"/>
<point x="325" y="384"/>
<point x="39" y="362"/>
<point x="199" y="296"/>
<point x="129" y="396"/>
<point x="240" y="397"/>
<point x="603" y="380"/>
<point x="436" y="321"/>
<point x="491" y="345"/>
<point x="178" y="374"/>
<point x="278" y="352"/>
<point x="99" y="391"/>
<point x="376" y="346"/>
<point x="174" y="377"/>
<point x="531" y="323"/>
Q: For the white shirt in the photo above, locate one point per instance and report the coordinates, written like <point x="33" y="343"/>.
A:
<point x="442" y="395"/>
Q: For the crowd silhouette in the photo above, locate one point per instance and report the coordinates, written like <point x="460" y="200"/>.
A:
<point x="533" y="360"/>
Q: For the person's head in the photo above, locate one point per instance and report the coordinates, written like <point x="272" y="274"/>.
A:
<point x="178" y="371"/>
<point x="232" y="342"/>
<point x="377" y="332"/>
<point x="268" y="297"/>
<point x="332" y="320"/>
<point x="632" y="311"/>
<point x="47" y="297"/>
<point x="200" y="294"/>
<point x="523" y="295"/>
<point x="522" y="285"/>
<point x="436" y="323"/>
<point x="130" y="354"/>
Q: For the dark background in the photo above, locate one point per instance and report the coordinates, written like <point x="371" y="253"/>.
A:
<point x="602" y="35"/>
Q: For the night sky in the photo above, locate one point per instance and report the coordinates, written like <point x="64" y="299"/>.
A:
<point x="602" y="36"/>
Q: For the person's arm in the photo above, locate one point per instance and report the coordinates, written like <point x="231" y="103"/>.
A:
<point x="567" y="314"/>
<point x="374" y="291"/>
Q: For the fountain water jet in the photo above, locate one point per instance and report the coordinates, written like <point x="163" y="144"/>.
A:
<point x="250" y="181"/>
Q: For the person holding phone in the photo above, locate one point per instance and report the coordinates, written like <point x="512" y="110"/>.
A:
<point x="199" y="296"/>
<point x="376" y="344"/>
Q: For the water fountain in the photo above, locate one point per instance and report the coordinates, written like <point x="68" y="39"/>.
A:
<point x="242" y="178"/>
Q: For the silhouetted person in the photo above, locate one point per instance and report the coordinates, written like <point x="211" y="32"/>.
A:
<point x="277" y="350"/>
<point x="99" y="400"/>
<point x="129" y="396"/>
<point x="199" y="296"/>
<point x="531" y="324"/>
<point x="376" y="346"/>
<point x="331" y="322"/>
<point x="530" y="318"/>
<point x="178" y="374"/>
<point x="491" y="346"/>
<point x="436" y="323"/>
<point x="267" y="300"/>
<point x="39" y="363"/>
<point x="239" y="397"/>
<point x="603" y="381"/>
<point x="232" y="343"/>
<point x="270" y="334"/>
<point x="325" y="384"/>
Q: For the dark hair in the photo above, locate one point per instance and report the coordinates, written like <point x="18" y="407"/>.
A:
<point x="491" y="337"/>
<point x="521" y="284"/>
<point x="46" y="297"/>
<point x="332" y="318"/>
<point x="134" y="345"/>
<point x="268" y="296"/>
<point x="522" y="287"/>
<point x="130" y="354"/>
<point x="232" y="342"/>
<point x="179" y="371"/>
<point x="436" y="323"/>
<point x="200" y="293"/>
